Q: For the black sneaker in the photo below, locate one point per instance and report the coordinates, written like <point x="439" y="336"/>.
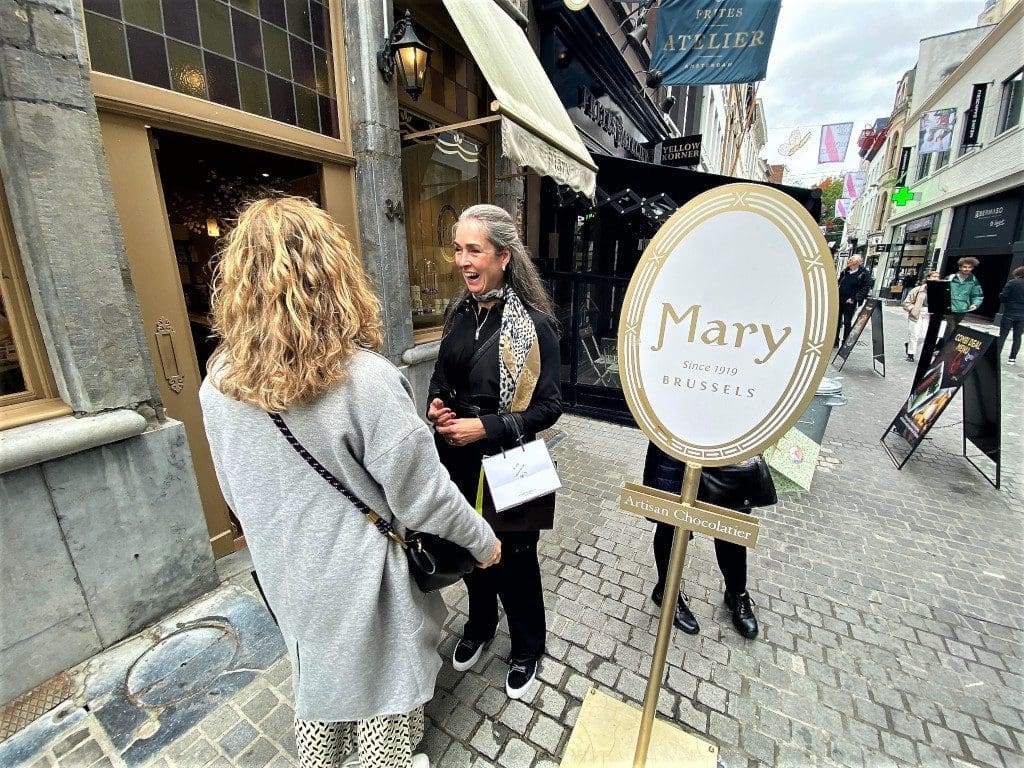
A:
<point x="742" y="613"/>
<point x="521" y="674"/>
<point x="467" y="653"/>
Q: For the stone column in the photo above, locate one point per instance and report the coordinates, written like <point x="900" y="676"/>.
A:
<point x="58" y="188"/>
<point x="373" y="108"/>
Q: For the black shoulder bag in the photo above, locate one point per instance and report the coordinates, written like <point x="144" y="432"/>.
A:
<point x="433" y="562"/>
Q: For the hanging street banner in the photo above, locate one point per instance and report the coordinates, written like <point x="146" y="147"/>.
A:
<point x="682" y="152"/>
<point x="835" y="138"/>
<point x="708" y="42"/>
<point x="716" y="370"/>
<point x="843" y="206"/>
<point x="904" y="166"/>
<point x="853" y="184"/>
<point x="936" y="134"/>
<point x="937" y="387"/>
<point x="794" y="142"/>
<point x="972" y="120"/>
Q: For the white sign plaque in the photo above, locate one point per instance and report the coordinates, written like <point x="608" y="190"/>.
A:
<point x="727" y="324"/>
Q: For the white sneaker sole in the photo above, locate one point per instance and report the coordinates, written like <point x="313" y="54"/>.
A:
<point x="518" y="693"/>
<point x="471" y="662"/>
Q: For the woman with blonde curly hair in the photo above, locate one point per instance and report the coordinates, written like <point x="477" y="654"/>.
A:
<point x="298" y="323"/>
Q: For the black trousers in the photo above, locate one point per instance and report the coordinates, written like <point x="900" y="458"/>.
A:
<point x="516" y="581"/>
<point x="732" y="558"/>
<point x="1005" y="326"/>
<point x="845" y="320"/>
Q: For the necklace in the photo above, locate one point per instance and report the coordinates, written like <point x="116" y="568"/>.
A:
<point x="479" y="322"/>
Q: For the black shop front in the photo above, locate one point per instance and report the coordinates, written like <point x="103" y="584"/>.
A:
<point x="992" y="231"/>
<point x="588" y="251"/>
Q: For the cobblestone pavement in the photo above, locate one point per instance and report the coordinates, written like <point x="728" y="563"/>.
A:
<point x="890" y="605"/>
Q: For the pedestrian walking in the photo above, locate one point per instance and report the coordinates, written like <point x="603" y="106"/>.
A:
<point x="854" y="284"/>
<point x="495" y="384"/>
<point x="1012" y="297"/>
<point x="665" y="473"/>
<point x="965" y="294"/>
<point x="297" y="321"/>
<point x="916" y="306"/>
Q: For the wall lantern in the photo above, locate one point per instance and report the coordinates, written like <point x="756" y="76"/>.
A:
<point x="412" y="55"/>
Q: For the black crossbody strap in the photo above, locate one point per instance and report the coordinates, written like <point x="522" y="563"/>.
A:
<point x="484" y="348"/>
<point x="378" y="522"/>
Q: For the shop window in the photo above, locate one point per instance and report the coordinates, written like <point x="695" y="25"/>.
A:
<point x="27" y="389"/>
<point x="272" y="57"/>
<point x="1010" y="104"/>
<point x="442" y="174"/>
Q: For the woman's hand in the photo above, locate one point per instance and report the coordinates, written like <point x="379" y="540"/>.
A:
<point x="495" y="558"/>
<point x="438" y="413"/>
<point x="461" y="431"/>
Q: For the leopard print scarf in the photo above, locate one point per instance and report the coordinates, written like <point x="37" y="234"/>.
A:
<point x="519" y="356"/>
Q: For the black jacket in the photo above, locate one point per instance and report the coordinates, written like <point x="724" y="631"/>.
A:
<point x="1012" y="297"/>
<point x="854" y="285"/>
<point x="466" y="379"/>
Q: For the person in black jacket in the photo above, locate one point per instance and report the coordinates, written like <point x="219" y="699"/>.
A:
<point x="495" y="384"/>
<point x="1012" y="297"/>
<point x="854" y="284"/>
<point x="665" y="473"/>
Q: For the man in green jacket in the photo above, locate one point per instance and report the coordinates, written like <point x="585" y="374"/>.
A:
<point x="964" y="294"/>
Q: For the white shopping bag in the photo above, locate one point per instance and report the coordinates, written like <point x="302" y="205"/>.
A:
<point x="520" y="474"/>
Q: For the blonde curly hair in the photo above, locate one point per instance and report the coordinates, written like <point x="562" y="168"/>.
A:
<point x="291" y="303"/>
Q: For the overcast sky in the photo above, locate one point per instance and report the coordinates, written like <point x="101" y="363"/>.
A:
<point x="839" y="61"/>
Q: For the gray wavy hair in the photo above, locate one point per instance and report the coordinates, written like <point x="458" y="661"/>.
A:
<point x="521" y="274"/>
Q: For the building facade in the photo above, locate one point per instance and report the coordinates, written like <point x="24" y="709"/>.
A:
<point x="969" y="199"/>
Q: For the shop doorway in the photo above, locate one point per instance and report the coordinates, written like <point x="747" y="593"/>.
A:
<point x="176" y="197"/>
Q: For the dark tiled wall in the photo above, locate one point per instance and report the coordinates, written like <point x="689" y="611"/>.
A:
<point x="267" y="57"/>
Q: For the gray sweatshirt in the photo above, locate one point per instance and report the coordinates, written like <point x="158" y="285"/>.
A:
<point x="361" y="636"/>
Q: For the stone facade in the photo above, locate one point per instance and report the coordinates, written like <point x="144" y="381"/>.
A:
<point x="100" y="538"/>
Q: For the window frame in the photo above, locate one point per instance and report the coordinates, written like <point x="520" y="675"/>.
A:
<point x="40" y="399"/>
<point x="1005" y="99"/>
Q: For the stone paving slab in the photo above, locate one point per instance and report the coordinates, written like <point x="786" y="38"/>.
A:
<point x="890" y="605"/>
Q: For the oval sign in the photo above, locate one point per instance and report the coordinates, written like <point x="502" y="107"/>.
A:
<point x="727" y="324"/>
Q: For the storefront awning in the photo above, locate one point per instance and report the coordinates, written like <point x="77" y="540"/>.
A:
<point x="535" y="128"/>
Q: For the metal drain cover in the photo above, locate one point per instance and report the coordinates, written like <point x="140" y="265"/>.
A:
<point x="181" y="665"/>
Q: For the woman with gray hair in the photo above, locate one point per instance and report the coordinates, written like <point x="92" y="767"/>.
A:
<point x="495" y="384"/>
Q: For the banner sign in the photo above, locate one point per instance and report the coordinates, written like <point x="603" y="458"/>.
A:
<point x="843" y="205"/>
<point x="716" y="370"/>
<point x="939" y="384"/>
<point x="835" y="139"/>
<point x="901" y="173"/>
<point x="871" y="311"/>
<point x="681" y="152"/>
<point x="699" y="42"/>
<point x="972" y="121"/>
<point x="982" y="403"/>
<point x="853" y="184"/>
<point x="936" y="134"/>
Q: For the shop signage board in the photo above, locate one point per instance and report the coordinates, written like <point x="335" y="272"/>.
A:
<point x="870" y="312"/>
<point x="681" y="153"/>
<point x="929" y="397"/>
<point x="991" y="223"/>
<point x="702" y="43"/>
<point x="716" y="369"/>
<point x="982" y="404"/>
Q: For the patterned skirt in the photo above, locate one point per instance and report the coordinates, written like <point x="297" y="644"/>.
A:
<point x="379" y="742"/>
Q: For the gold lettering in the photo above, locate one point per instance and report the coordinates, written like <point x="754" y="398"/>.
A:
<point x="719" y="338"/>
<point x="666" y="312"/>
<point x="741" y="39"/>
<point x="769" y="338"/>
<point x="757" y="38"/>
<point x="741" y="328"/>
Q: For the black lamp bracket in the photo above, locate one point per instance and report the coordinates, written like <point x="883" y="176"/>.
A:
<point x="386" y="55"/>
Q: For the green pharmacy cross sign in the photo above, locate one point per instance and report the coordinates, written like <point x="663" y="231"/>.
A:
<point x="903" y="195"/>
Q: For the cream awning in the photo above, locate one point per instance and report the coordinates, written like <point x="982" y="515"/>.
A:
<point x="535" y="129"/>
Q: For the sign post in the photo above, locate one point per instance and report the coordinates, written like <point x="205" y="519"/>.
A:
<point x="714" y="371"/>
